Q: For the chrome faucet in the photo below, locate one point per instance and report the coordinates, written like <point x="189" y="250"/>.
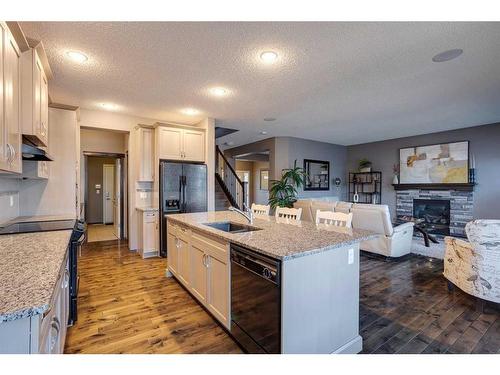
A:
<point x="247" y="215"/>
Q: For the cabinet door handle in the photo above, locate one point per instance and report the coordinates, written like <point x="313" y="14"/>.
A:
<point x="55" y="326"/>
<point x="66" y="279"/>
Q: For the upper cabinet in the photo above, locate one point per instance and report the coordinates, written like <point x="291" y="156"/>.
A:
<point x="10" y="132"/>
<point x="146" y="153"/>
<point x="35" y="99"/>
<point x="181" y="144"/>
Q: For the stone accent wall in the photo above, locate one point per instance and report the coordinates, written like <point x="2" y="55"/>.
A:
<point x="461" y="203"/>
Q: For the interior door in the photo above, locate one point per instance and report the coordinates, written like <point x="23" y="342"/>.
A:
<point x="108" y="189"/>
<point x="117" y="199"/>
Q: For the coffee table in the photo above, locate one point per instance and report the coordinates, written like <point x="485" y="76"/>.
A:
<point x="419" y="227"/>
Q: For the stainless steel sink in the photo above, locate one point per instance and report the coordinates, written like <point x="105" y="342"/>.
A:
<point x="230" y="227"/>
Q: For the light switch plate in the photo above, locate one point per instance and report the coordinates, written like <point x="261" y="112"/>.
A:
<point x="350" y="259"/>
<point x="11" y="201"/>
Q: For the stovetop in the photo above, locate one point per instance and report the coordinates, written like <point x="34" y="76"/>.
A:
<point x="38" y="226"/>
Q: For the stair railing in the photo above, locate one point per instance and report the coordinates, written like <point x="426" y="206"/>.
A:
<point x="233" y="187"/>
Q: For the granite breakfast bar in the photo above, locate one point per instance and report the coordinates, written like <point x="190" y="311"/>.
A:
<point x="319" y="274"/>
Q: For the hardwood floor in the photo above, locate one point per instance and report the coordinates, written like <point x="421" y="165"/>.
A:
<point x="126" y="305"/>
<point x="405" y="307"/>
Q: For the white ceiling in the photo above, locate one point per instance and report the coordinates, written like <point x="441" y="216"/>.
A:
<point x="343" y="83"/>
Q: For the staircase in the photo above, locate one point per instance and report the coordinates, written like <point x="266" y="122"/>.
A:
<point x="229" y="189"/>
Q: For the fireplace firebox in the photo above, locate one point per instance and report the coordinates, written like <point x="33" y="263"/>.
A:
<point x="435" y="213"/>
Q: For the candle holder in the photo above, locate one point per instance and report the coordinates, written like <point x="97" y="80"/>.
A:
<point x="472" y="176"/>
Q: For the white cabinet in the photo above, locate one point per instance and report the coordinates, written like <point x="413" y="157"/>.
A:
<point x="199" y="273"/>
<point x="183" y="259"/>
<point x="10" y="132"/>
<point x="193" y="142"/>
<point x="207" y="260"/>
<point x="146" y="154"/>
<point x="181" y="144"/>
<point x="148" y="233"/>
<point x="218" y="288"/>
<point x="34" y="99"/>
<point x="169" y="143"/>
<point x="173" y="251"/>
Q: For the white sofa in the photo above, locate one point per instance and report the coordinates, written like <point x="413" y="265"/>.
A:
<point x="474" y="265"/>
<point x="392" y="242"/>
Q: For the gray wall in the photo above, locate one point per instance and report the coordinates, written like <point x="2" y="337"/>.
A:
<point x="484" y="144"/>
<point x="95" y="176"/>
<point x="283" y="151"/>
<point x="299" y="149"/>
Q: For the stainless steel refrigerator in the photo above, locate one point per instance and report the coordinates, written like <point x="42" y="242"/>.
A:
<point x="183" y="189"/>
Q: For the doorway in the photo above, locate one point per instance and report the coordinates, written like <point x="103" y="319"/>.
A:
<point x="104" y="196"/>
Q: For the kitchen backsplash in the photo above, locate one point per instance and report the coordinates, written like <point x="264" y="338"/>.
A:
<point x="9" y="199"/>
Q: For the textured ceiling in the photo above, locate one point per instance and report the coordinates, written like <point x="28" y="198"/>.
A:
<point x="343" y="83"/>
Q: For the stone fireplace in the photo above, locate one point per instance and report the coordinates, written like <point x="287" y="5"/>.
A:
<point x="435" y="214"/>
<point x="435" y="206"/>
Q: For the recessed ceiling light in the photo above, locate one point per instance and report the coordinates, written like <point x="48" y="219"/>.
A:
<point x="230" y="143"/>
<point x="263" y="132"/>
<point x="269" y="57"/>
<point x="219" y="91"/>
<point x="109" y="106"/>
<point x="447" y="55"/>
<point x="269" y="119"/>
<point x="190" y="111"/>
<point x="77" y="56"/>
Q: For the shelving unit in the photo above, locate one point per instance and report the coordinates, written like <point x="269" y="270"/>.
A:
<point x="368" y="186"/>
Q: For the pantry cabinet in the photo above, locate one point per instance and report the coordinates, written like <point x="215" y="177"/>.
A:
<point x="207" y="260"/>
<point x="10" y="131"/>
<point x="180" y="144"/>
<point x="146" y="154"/>
<point x="34" y="100"/>
<point x="148" y="233"/>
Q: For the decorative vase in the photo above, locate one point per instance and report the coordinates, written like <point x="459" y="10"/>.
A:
<point x="395" y="180"/>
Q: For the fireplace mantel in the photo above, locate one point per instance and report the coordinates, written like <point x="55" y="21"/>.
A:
<point x="460" y="187"/>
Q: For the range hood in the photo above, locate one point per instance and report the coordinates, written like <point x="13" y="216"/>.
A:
<point x="34" y="153"/>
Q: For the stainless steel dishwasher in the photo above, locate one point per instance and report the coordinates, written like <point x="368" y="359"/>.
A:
<point x="255" y="301"/>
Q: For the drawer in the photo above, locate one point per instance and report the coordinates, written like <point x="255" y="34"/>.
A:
<point x="211" y="245"/>
<point x="183" y="233"/>
<point x="150" y="217"/>
<point x="172" y="229"/>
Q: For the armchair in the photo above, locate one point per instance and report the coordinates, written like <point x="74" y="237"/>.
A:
<point x="474" y="265"/>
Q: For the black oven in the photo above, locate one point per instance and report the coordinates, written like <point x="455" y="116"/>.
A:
<point x="255" y="301"/>
<point x="77" y="238"/>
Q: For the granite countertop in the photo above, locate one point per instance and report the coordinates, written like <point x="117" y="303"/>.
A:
<point x="29" y="267"/>
<point x="280" y="239"/>
<point x="146" y="209"/>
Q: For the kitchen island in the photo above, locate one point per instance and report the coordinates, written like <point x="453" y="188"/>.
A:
<point x="310" y="300"/>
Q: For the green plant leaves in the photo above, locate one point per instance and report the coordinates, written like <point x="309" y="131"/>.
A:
<point x="283" y="192"/>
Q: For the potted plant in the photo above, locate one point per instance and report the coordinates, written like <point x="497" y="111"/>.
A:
<point x="365" y="165"/>
<point x="283" y="192"/>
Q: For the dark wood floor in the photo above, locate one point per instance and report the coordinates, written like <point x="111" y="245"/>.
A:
<point x="126" y="305"/>
<point x="405" y="307"/>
